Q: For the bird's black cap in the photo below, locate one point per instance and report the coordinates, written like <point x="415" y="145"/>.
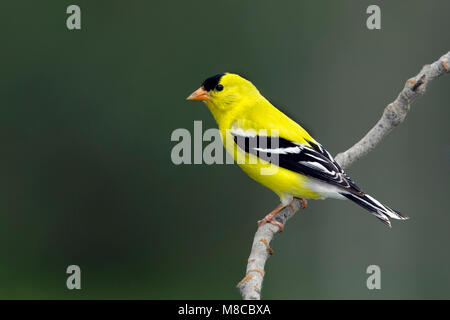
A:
<point x="212" y="82"/>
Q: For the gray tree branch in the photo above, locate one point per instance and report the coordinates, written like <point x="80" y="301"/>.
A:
<point x="394" y="114"/>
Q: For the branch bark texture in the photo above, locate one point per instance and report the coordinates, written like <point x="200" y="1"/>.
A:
<point x="394" y="114"/>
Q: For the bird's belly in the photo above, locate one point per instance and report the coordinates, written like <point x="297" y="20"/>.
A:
<point x="281" y="181"/>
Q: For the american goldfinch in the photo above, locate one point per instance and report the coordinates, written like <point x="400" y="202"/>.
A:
<point x="304" y="169"/>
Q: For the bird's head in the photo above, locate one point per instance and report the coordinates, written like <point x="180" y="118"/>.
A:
<point x="224" y="92"/>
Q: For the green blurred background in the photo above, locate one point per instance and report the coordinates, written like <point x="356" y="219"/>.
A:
<point x="86" y="175"/>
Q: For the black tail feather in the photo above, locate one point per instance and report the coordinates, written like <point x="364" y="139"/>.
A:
<point x="379" y="210"/>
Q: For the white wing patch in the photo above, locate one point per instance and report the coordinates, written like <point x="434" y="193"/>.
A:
<point x="280" y="150"/>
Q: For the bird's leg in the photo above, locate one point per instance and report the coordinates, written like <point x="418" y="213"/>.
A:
<point x="269" y="217"/>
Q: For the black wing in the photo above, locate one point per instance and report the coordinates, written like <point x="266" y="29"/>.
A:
<point x="319" y="148"/>
<point x="313" y="160"/>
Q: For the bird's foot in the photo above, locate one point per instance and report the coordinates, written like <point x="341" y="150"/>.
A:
<point x="269" y="218"/>
<point x="304" y="202"/>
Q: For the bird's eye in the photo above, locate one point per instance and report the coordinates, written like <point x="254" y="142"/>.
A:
<point x="219" y="87"/>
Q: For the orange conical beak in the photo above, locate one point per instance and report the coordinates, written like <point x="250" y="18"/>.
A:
<point x="199" y="94"/>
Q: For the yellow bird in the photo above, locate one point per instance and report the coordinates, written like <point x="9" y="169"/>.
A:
<point x="276" y="151"/>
